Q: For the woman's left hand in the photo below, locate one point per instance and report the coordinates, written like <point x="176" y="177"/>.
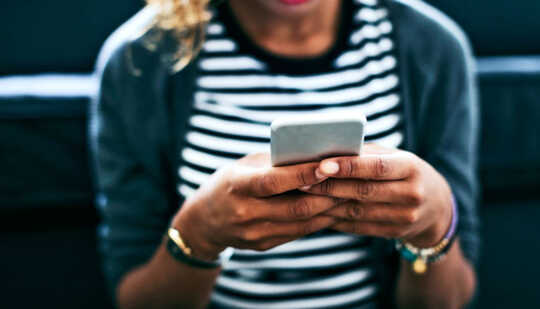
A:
<point x="389" y="193"/>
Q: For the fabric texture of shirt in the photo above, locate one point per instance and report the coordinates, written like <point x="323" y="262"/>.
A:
<point x="143" y="115"/>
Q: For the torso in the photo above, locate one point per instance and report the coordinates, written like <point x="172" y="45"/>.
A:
<point x="240" y="90"/>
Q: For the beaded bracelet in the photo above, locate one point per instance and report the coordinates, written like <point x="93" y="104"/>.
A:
<point x="421" y="257"/>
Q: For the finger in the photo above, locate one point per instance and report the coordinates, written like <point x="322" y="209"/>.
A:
<point x="371" y="229"/>
<point x="387" y="166"/>
<point x="367" y="191"/>
<point x="262" y="245"/>
<point x="293" y="207"/>
<point x="377" y="212"/>
<point x="273" y="242"/>
<point x="270" y="181"/>
<point x="264" y="230"/>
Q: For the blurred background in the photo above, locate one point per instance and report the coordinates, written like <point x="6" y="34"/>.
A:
<point x="48" y="256"/>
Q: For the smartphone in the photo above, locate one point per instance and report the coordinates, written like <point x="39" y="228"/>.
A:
<point x="311" y="138"/>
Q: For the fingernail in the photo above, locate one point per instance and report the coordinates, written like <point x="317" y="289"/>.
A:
<point x="305" y="188"/>
<point x="329" y="167"/>
<point x="319" y="175"/>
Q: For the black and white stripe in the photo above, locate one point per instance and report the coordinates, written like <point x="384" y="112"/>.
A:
<point x="237" y="98"/>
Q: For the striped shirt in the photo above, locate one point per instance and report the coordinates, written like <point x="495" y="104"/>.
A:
<point x="240" y="90"/>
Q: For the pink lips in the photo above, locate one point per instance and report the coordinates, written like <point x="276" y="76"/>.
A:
<point x="293" y="2"/>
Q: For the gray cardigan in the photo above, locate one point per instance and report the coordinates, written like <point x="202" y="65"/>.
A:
<point x="139" y="119"/>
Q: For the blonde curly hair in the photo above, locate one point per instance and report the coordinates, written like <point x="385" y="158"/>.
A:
<point x="185" y="20"/>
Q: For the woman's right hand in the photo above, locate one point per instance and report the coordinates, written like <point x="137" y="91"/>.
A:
<point x="252" y="205"/>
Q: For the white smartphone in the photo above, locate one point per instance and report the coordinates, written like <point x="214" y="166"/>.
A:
<point x="315" y="137"/>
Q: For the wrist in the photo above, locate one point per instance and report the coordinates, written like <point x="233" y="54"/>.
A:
<point x="422" y="250"/>
<point x="193" y="234"/>
<point x="437" y="231"/>
<point x="429" y="237"/>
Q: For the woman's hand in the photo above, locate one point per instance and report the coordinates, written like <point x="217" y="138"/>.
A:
<point x="390" y="193"/>
<point x="251" y="205"/>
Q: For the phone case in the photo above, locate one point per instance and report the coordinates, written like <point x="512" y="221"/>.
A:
<point x="306" y="139"/>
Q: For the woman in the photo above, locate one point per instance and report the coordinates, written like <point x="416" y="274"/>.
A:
<point x="174" y="149"/>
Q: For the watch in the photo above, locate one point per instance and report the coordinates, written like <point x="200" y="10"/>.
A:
<point x="181" y="252"/>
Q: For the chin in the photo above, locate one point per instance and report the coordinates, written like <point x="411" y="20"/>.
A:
<point x="290" y="8"/>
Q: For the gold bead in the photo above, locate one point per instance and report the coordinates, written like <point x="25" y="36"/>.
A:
<point x="419" y="266"/>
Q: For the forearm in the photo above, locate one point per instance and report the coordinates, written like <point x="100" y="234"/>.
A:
<point x="166" y="283"/>
<point x="447" y="284"/>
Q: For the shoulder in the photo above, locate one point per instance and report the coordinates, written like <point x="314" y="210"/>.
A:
<point x="424" y="32"/>
<point x="132" y="90"/>
<point x="129" y="54"/>
<point x="114" y="51"/>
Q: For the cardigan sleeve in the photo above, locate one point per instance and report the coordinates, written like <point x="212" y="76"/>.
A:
<point x="440" y="87"/>
<point x="133" y="202"/>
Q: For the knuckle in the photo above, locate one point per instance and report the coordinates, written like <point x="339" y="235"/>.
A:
<point x="231" y="187"/>
<point x="364" y="189"/>
<point x="327" y="186"/>
<point x="302" y="178"/>
<point x="349" y="169"/>
<point x="240" y="214"/>
<point x="268" y="184"/>
<point x="416" y="195"/>
<point x="411" y="217"/>
<point x="300" y="209"/>
<point x="355" y="212"/>
<point x="381" y="167"/>
<point x="250" y="235"/>
<point x="307" y="228"/>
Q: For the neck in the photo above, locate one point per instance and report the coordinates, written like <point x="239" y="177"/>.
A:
<point x="306" y="35"/>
